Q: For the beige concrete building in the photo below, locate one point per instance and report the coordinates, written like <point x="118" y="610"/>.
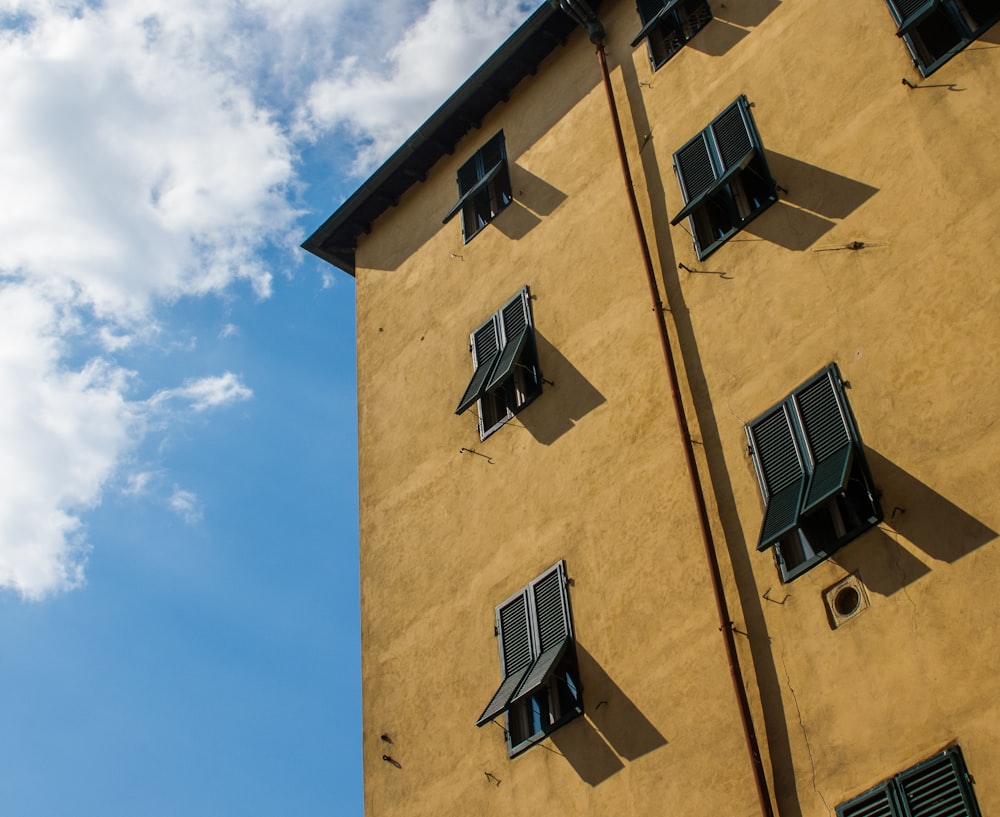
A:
<point x="567" y="566"/>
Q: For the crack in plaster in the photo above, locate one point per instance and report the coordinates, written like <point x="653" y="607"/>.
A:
<point x="802" y="726"/>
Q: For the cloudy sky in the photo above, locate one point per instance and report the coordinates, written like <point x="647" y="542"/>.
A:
<point x="178" y="523"/>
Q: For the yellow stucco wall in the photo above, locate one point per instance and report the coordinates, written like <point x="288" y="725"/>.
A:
<point x="592" y="472"/>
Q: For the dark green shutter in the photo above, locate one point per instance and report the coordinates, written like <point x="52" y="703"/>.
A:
<point x="877" y="802"/>
<point x="492" y="153"/>
<point x="515" y="322"/>
<point x="910" y="12"/>
<point x="469" y="174"/>
<point x="485" y="350"/>
<point x="648" y="9"/>
<point x="781" y="472"/>
<point x="551" y="626"/>
<point x="486" y="180"/>
<point x="516" y="653"/>
<point x="695" y="168"/>
<point x="482" y="170"/>
<point x="714" y="156"/>
<point x="732" y="136"/>
<point x="938" y="787"/>
<point x="652" y="13"/>
<point x="824" y="421"/>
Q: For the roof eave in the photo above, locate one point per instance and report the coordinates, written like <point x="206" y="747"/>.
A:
<point x="335" y="241"/>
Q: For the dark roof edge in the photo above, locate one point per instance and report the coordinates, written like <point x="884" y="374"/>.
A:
<point x="336" y="239"/>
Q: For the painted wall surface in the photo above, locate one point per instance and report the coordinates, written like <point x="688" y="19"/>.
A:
<point x="592" y="472"/>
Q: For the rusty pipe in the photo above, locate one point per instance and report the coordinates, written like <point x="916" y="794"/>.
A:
<point x="725" y="623"/>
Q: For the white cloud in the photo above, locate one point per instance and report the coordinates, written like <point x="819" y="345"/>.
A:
<point x="130" y="158"/>
<point x="185" y="504"/>
<point x="137" y="168"/>
<point x="148" y="154"/>
<point x="383" y="103"/>
<point x="138" y="483"/>
<point x="229" y="330"/>
<point x="207" y="392"/>
<point x="62" y="431"/>
<point x="112" y="341"/>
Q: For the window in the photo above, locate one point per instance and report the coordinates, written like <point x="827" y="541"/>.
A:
<point x="813" y="477"/>
<point x="937" y="786"/>
<point x="724" y="178"/>
<point x="505" y="375"/>
<point x="483" y="187"/>
<point x="668" y="24"/>
<point x="936" y="30"/>
<point x="540" y="690"/>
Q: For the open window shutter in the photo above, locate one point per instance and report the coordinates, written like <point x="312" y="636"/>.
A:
<point x="485" y="351"/>
<point x="730" y="139"/>
<point x="550" y="606"/>
<point x="781" y="473"/>
<point x="515" y="319"/>
<point x="650" y="9"/>
<point x="695" y="168"/>
<point x="493" y="152"/>
<point x="937" y="787"/>
<point x="825" y="426"/>
<point x="516" y="653"/>
<point x="652" y="12"/>
<point x="473" y="189"/>
<point x="733" y="137"/>
<point x="485" y="167"/>
<point x="910" y="12"/>
<point x="878" y="802"/>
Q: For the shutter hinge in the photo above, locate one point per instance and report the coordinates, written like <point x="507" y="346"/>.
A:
<point x="496" y="631"/>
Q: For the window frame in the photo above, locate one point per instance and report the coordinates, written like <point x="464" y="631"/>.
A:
<point x="506" y="377"/>
<point x="815" y="485"/>
<point x="724" y="178"/>
<point x="944" y="775"/>
<point x="909" y="15"/>
<point x="660" y="18"/>
<point x="484" y="188"/>
<point x="537" y="650"/>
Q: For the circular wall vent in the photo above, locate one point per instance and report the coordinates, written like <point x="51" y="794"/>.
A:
<point x="845" y="600"/>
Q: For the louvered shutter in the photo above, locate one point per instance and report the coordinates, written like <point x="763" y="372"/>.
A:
<point x="733" y="137"/>
<point x="878" y="802"/>
<point x="825" y="426"/>
<point x="485" y="352"/>
<point x="938" y="787"/>
<point x="782" y="475"/>
<point x="695" y="168"/>
<point x="650" y="9"/>
<point x="469" y="174"/>
<point x="493" y="152"/>
<point x="910" y="12"/>
<point x="551" y="627"/>
<point x="487" y="166"/>
<point x="515" y="325"/>
<point x="652" y="12"/>
<point x="516" y="653"/>
<point x="714" y="156"/>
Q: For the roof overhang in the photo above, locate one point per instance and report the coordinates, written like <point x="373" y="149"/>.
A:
<point x="337" y="238"/>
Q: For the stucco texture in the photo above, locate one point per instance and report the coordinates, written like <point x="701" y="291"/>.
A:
<point x="593" y="471"/>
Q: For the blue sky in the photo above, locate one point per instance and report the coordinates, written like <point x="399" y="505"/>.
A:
<point x="178" y="527"/>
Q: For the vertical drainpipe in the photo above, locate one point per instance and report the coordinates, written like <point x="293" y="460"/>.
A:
<point x="580" y="12"/>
